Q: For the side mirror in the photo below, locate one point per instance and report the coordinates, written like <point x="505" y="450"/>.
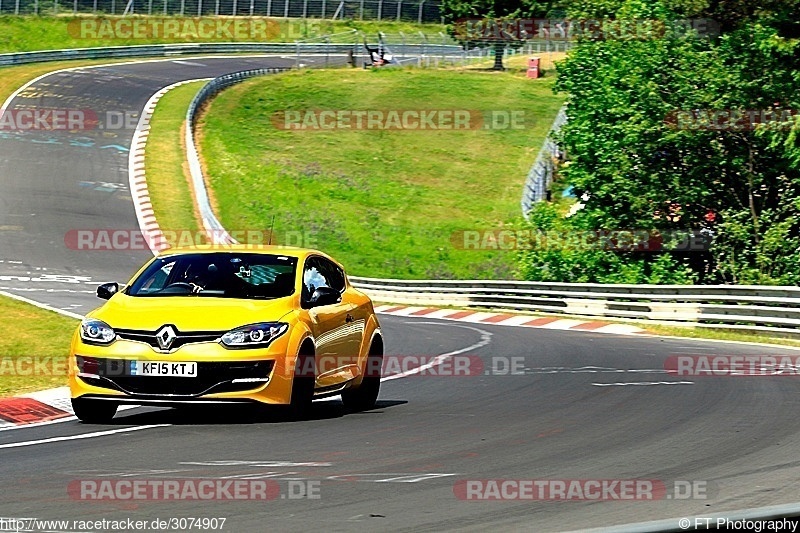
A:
<point x="107" y="290"/>
<point x="325" y="296"/>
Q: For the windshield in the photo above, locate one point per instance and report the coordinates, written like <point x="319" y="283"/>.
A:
<point x="220" y="275"/>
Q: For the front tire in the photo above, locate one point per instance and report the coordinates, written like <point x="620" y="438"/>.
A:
<point x="302" y="387"/>
<point x="363" y="397"/>
<point x="94" y="411"/>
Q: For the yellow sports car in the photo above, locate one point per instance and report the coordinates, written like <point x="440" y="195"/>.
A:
<point x="253" y="324"/>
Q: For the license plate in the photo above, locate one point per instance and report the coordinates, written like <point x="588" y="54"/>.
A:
<point x="164" y="369"/>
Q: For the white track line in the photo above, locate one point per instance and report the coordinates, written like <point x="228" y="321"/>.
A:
<point x="41" y="305"/>
<point x="486" y="338"/>
<point x="642" y="383"/>
<point x="80" y="436"/>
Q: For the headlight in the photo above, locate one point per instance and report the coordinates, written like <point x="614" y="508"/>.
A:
<point x="254" y="335"/>
<point x="95" y="331"/>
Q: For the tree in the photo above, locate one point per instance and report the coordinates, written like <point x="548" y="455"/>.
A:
<point x="486" y="22"/>
<point x="654" y="139"/>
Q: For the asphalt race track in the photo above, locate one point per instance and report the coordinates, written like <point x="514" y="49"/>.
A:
<point x="586" y="406"/>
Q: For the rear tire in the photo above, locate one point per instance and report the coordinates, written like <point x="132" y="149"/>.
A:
<point x="94" y="411"/>
<point x="302" y="387"/>
<point x="363" y="397"/>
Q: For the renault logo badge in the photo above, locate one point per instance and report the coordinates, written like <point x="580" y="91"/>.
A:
<point x="166" y="336"/>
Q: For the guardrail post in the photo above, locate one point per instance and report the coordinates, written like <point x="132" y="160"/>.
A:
<point x="199" y="7"/>
<point x="305" y="8"/>
<point x="235" y="7"/>
<point x="16" y="8"/>
<point x="361" y="11"/>
<point x="216" y="8"/>
<point x="380" y="9"/>
<point x="323" y="9"/>
<point x="399" y="9"/>
<point x="419" y="16"/>
<point x="681" y="312"/>
<point x="580" y="306"/>
<point x="286" y="9"/>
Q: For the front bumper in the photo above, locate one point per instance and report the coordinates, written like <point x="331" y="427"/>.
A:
<point x="262" y="375"/>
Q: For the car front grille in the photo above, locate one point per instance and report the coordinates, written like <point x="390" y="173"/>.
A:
<point x="212" y="377"/>
<point x="181" y="339"/>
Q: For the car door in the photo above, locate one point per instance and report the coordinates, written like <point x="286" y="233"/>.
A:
<point x="331" y="324"/>
<point x="356" y="315"/>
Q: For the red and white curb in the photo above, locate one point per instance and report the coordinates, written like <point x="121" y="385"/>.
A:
<point x="137" y="177"/>
<point x="37" y="408"/>
<point x="505" y="319"/>
<point x="40" y="408"/>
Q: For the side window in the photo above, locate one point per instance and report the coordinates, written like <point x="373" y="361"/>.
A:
<point x="333" y="274"/>
<point x="313" y="278"/>
<point x="319" y="272"/>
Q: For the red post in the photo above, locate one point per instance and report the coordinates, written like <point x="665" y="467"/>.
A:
<point x="533" y="68"/>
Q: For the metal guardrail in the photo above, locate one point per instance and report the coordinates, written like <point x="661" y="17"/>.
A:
<point x="210" y="222"/>
<point x="755" y="308"/>
<point x="540" y="176"/>
<point x="156" y="50"/>
<point x="166" y="50"/>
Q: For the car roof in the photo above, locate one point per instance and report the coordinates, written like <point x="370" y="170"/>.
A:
<point x="290" y="251"/>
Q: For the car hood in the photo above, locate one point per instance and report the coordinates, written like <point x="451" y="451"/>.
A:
<point x="189" y="313"/>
